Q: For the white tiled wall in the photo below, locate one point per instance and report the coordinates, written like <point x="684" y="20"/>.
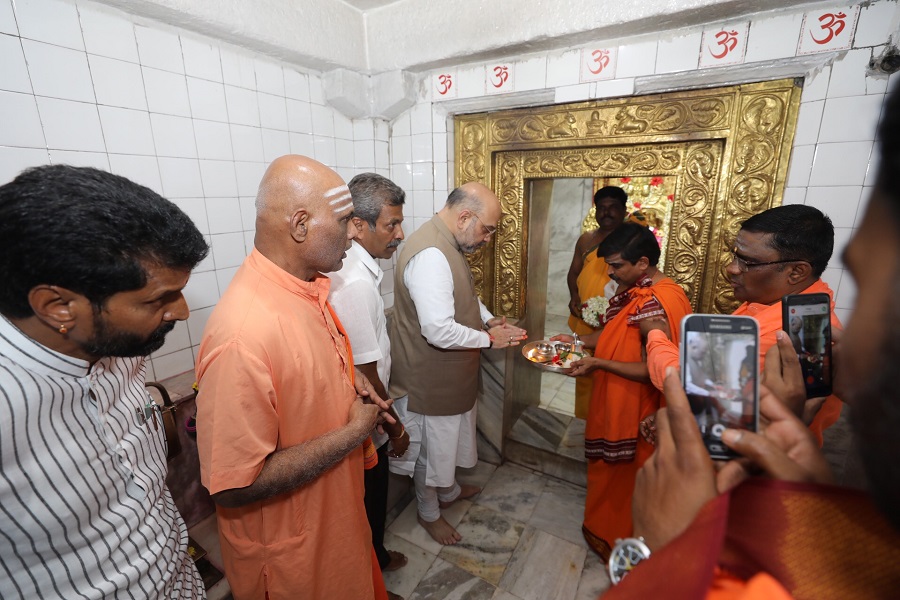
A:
<point x="832" y="163"/>
<point x="196" y="120"/>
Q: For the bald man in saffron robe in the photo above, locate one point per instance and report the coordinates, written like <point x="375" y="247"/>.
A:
<point x="282" y="413"/>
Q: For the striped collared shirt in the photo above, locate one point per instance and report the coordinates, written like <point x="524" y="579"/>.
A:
<point x="84" y="510"/>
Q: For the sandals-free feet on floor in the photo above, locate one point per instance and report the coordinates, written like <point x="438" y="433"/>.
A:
<point x="466" y="492"/>
<point x="441" y="531"/>
<point x="398" y="560"/>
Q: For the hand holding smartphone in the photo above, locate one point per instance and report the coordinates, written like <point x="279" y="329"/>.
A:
<point x="807" y="320"/>
<point x="720" y="374"/>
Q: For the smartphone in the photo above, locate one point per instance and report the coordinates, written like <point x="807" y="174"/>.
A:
<point x="807" y="320"/>
<point x="720" y="374"/>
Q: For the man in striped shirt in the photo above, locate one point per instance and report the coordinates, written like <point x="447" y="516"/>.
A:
<point x="92" y="267"/>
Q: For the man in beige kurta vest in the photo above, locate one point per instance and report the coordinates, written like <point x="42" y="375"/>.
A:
<point x="437" y="332"/>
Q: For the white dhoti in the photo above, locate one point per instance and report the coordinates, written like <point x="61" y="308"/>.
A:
<point x="437" y="446"/>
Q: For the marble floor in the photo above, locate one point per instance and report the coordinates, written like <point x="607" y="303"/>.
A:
<point x="521" y="541"/>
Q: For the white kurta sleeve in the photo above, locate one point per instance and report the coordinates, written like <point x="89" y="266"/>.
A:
<point x="485" y="313"/>
<point x="430" y="283"/>
<point x="358" y="311"/>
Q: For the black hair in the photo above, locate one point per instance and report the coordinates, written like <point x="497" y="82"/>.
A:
<point x="370" y="193"/>
<point x="88" y="231"/>
<point x="611" y="191"/>
<point x="799" y="232"/>
<point x="631" y="241"/>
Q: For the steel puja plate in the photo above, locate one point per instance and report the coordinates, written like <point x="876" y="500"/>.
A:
<point x="540" y="354"/>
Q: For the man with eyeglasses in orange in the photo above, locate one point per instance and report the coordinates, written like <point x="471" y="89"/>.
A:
<point x="437" y="332"/>
<point x="780" y="251"/>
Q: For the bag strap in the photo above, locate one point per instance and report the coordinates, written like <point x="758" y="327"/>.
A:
<point x="167" y="413"/>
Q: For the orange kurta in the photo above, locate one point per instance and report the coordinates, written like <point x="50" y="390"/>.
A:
<point x="613" y="446"/>
<point x="275" y="371"/>
<point x="663" y="353"/>
<point x="593" y="278"/>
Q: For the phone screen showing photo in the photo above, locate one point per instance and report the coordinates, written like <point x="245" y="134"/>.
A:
<point x="719" y="371"/>
<point x="809" y="327"/>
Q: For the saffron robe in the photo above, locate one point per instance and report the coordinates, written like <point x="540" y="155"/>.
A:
<point x="613" y="446"/>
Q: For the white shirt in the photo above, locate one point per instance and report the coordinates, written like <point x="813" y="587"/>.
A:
<point x="84" y="510"/>
<point x="356" y="298"/>
<point x="430" y="283"/>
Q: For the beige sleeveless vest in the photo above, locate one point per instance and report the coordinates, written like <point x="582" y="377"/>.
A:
<point x="439" y="382"/>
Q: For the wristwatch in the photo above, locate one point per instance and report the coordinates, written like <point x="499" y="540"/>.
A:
<point x="625" y="556"/>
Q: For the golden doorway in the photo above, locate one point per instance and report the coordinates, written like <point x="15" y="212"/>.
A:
<point x="723" y="154"/>
<point x="728" y="149"/>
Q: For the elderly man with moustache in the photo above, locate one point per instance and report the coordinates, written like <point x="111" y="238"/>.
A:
<point x="356" y="298"/>
<point x="438" y="331"/>
<point x="281" y="423"/>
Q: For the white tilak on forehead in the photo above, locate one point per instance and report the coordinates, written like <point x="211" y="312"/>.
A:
<point x="339" y="195"/>
<point x="344" y="207"/>
<point x="336" y="193"/>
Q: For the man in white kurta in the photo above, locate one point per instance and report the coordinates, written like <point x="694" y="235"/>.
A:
<point x="436" y="336"/>
<point x="355" y="295"/>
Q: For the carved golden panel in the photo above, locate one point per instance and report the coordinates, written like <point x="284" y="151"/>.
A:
<point x="727" y="149"/>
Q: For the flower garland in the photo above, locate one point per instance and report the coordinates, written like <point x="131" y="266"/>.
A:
<point x="593" y="311"/>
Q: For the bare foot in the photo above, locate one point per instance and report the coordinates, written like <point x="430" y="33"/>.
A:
<point x="441" y="531"/>
<point x="398" y="560"/>
<point x="467" y="491"/>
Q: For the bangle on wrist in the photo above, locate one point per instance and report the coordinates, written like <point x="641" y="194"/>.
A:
<point x="402" y="433"/>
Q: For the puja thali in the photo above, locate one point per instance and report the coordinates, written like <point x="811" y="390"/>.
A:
<point x="556" y="357"/>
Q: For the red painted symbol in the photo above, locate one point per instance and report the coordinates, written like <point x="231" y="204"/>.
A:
<point x="727" y="40"/>
<point x="833" y="24"/>
<point x="501" y="74"/>
<point x="601" y="59"/>
<point x="445" y="82"/>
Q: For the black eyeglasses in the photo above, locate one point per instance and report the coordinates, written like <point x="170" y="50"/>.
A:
<point x="745" y="265"/>
<point x="490" y="230"/>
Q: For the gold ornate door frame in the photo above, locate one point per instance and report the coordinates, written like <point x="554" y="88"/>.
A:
<point x="728" y="148"/>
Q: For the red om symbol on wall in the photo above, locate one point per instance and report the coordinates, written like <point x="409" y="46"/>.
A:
<point x="445" y="82"/>
<point x="727" y="40"/>
<point x="501" y="73"/>
<point x="601" y="59"/>
<point x="832" y="23"/>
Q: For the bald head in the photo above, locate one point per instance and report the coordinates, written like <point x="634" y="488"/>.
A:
<point x="294" y="180"/>
<point x="472" y="196"/>
<point x="472" y="214"/>
<point x="300" y="206"/>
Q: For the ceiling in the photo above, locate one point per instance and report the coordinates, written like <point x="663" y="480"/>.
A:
<point x="375" y="36"/>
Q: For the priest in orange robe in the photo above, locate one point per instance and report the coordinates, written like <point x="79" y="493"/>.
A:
<point x="622" y="394"/>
